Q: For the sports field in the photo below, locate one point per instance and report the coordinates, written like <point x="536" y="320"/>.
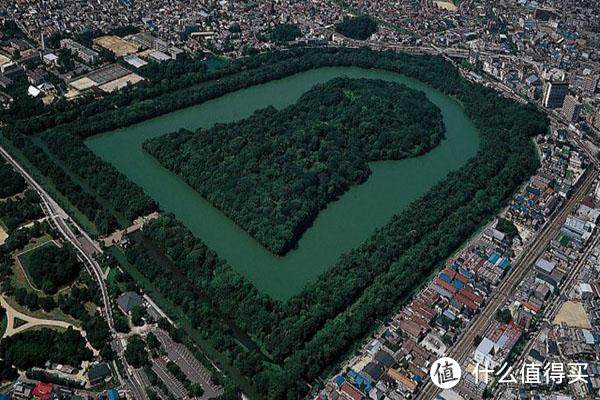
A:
<point x="573" y="314"/>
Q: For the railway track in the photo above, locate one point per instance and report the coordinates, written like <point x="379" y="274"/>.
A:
<point x="460" y="351"/>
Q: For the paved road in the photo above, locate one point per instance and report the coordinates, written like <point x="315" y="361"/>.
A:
<point x="550" y="311"/>
<point x="159" y="366"/>
<point x="30" y="321"/>
<point x="134" y="389"/>
<point x="462" y="349"/>
<point x="188" y="363"/>
<point x="80" y="242"/>
<point x="87" y="250"/>
<point x="136" y="381"/>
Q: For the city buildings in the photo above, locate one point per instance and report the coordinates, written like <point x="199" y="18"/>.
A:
<point x="571" y="108"/>
<point x="87" y="55"/>
<point x="554" y="94"/>
<point x="543" y="52"/>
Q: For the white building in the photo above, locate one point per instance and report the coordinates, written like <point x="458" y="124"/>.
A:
<point x="485" y="352"/>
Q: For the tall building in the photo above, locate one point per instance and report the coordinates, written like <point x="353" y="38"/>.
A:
<point x="555" y="93"/>
<point x="571" y="108"/>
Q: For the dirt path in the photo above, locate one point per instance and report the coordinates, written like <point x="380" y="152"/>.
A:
<point x="3" y="235"/>
<point x="30" y="322"/>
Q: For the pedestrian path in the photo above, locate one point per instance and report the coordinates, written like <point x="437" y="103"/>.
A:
<point x="30" y="322"/>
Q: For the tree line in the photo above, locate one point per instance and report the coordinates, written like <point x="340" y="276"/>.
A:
<point x="98" y="214"/>
<point x="12" y="181"/>
<point x="35" y="347"/>
<point x="316" y="328"/>
<point x="111" y="185"/>
<point x="284" y="33"/>
<point x="273" y="172"/>
<point x="17" y="211"/>
<point x="71" y="303"/>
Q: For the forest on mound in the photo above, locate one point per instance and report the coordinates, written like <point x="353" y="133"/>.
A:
<point x="302" y="340"/>
<point x="273" y="172"/>
<point x="52" y="267"/>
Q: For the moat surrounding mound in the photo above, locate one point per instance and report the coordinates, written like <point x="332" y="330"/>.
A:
<point x="273" y="172"/>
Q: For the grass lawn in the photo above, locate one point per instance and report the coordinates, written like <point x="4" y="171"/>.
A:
<point x="58" y="329"/>
<point x="35" y="242"/>
<point x="90" y="308"/>
<point x="114" y="286"/>
<point x="565" y="240"/>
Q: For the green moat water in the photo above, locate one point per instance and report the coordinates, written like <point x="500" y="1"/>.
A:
<point x="342" y="226"/>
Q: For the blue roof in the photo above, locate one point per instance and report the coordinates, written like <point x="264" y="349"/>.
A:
<point x="504" y="263"/>
<point x="493" y="258"/>
<point x="4" y="396"/>
<point x="113" y="394"/>
<point x="445" y="277"/>
<point x="359" y="380"/>
<point x="339" y="380"/>
<point x="466" y="273"/>
<point x="448" y="314"/>
<point x="457" y="284"/>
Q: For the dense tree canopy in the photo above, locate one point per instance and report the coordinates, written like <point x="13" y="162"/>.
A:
<point x="15" y="212"/>
<point x="273" y="172"/>
<point x="136" y="353"/>
<point x="316" y="328"/>
<point x="313" y="329"/>
<point x="34" y="348"/>
<point x="10" y="29"/>
<point x="360" y="28"/>
<point x="129" y="199"/>
<point x="12" y="181"/>
<point x="284" y="33"/>
<point x="51" y="267"/>
<point x="98" y="214"/>
<point x="507" y="227"/>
